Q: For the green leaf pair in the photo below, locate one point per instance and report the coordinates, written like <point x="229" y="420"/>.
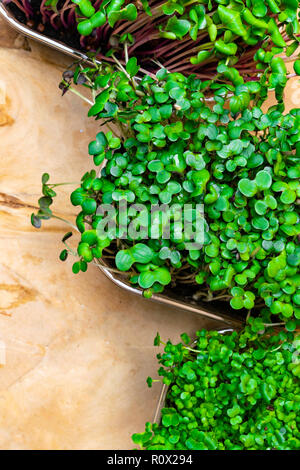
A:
<point x="139" y="253"/>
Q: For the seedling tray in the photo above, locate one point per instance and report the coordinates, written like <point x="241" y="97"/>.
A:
<point x="7" y="14"/>
<point x="170" y="298"/>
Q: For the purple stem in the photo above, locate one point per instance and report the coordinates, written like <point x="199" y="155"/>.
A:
<point x="65" y="8"/>
<point x="52" y="18"/>
<point x="43" y="11"/>
<point x="20" y="7"/>
<point x="28" y="8"/>
<point x="82" y="41"/>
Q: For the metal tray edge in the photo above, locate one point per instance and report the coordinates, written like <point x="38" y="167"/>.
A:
<point x="36" y="36"/>
<point x="165" y="299"/>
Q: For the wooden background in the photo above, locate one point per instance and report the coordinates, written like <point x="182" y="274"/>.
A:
<point x="75" y="351"/>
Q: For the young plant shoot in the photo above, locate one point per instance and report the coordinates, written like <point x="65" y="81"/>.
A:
<point x="237" y="391"/>
<point x="227" y="156"/>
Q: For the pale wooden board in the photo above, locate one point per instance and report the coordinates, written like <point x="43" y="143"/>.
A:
<point x="78" y="349"/>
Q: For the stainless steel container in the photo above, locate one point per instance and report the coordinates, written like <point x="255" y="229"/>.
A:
<point x="6" y="13"/>
<point x="171" y="300"/>
<point x="168" y="299"/>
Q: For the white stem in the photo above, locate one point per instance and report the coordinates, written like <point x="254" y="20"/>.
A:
<point x="91" y="103"/>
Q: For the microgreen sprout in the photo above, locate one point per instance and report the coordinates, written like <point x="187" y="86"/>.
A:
<point x="183" y="36"/>
<point x="235" y="391"/>
<point x="172" y="147"/>
<point x="44" y="212"/>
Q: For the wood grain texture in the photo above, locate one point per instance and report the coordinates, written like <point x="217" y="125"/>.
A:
<point x="75" y="350"/>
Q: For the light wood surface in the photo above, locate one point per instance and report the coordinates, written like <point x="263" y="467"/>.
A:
<point x="75" y="350"/>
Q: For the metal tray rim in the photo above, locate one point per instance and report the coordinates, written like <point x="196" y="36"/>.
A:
<point x="161" y="298"/>
<point x="42" y="38"/>
<point x="167" y="300"/>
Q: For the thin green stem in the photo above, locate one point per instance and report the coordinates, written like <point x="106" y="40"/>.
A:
<point x="191" y="349"/>
<point x="126" y="52"/>
<point x="65" y="221"/>
<point x="77" y="93"/>
<point x="134" y="84"/>
<point x="54" y="185"/>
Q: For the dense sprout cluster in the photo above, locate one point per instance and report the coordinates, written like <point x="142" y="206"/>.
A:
<point x="228" y="392"/>
<point x="181" y="35"/>
<point x="242" y="164"/>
